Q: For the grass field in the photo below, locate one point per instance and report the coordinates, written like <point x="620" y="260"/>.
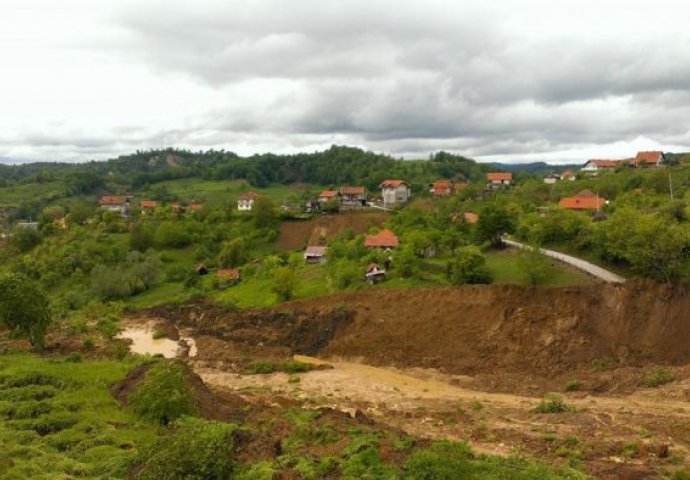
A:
<point x="58" y="420"/>
<point x="503" y="265"/>
<point x="15" y="195"/>
<point x="219" y="192"/>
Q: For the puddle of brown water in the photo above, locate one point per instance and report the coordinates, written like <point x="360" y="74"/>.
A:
<point x="143" y="343"/>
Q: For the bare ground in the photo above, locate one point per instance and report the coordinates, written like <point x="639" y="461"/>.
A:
<point x="472" y="363"/>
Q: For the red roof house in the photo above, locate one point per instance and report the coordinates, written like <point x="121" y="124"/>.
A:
<point x="353" y="196"/>
<point x="114" y="200"/>
<point x="650" y="159"/>
<point x="149" y="204"/>
<point x="501" y="177"/>
<point x="585" y="200"/>
<point x="230" y="274"/>
<point x="471" y="217"/>
<point x="441" y="188"/>
<point x="598" y="164"/>
<point x="327" y="195"/>
<point x="384" y="239"/>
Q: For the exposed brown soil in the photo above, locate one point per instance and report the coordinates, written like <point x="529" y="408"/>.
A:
<point x="500" y="333"/>
<point x="295" y="235"/>
<point x="471" y="363"/>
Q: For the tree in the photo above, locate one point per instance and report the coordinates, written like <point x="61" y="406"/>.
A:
<point x="234" y="253"/>
<point x="468" y="266"/>
<point x="141" y="237"/>
<point x="78" y="183"/>
<point x="533" y="265"/>
<point x="494" y="221"/>
<point x="79" y="213"/>
<point x="163" y="396"/>
<point x="111" y="283"/>
<point x="144" y="268"/>
<point x="264" y="212"/>
<point x="24" y="308"/>
<point x="284" y="283"/>
<point x="25" y="238"/>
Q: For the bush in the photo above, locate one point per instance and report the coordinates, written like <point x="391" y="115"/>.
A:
<point x="284" y="283"/>
<point x="73" y="357"/>
<point x="195" y="450"/>
<point x="263" y="367"/>
<point x="24" y="309"/>
<point x="469" y="266"/>
<point x="163" y="396"/>
<point x="656" y="377"/>
<point x="572" y="385"/>
<point x="553" y="403"/>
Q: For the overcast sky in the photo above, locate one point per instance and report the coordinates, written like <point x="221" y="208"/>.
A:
<point x="494" y="79"/>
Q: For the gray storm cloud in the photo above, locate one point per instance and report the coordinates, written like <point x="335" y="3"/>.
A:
<point x="482" y="78"/>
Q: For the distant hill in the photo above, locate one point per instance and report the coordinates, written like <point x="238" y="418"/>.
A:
<point x="535" y="167"/>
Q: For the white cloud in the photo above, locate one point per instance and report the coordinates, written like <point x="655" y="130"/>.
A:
<point x="512" y="80"/>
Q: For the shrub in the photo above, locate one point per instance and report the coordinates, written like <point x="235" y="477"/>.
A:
<point x="552" y="403"/>
<point x="572" y="385"/>
<point x="468" y="266"/>
<point x="263" y="367"/>
<point x="24" y="308"/>
<point x="293" y="366"/>
<point x="284" y="283"/>
<point x="163" y="396"/>
<point x="73" y="357"/>
<point x="158" y="334"/>
<point x="195" y="450"/>
<point x="88" y="343"/>
<point x="656" y="377"/>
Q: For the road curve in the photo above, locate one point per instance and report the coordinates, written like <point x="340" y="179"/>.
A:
<point x="583" y="265"/>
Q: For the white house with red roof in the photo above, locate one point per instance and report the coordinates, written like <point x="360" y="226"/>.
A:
<point x="116" y="203"/>
<point x="441" y="188"/>
<point x="648" y="159"/>
<point x="598" y="165"/>
<point x="395" y="192"/>
<point x="245" y="202"/>
<point x="327" y="196"/>
<point x="353" y="196"/>
<point x="385" y="239"/>
<point x="496" y="180"/>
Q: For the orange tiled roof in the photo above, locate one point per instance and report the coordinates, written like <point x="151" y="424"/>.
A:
<point x="600" y="163"/>
<point x="249" y="196"/>
<point x="499" y="176"/>
<point x="582" y="203"/>
<point x="114" y="200"/>
<point x="648" y="157"/>
<point x="353" y="190"/>
<point x="384" y="239"/>
<point x="392" y="183"/>
<point x="471" y="217"/>
<point x="229" y="273"/>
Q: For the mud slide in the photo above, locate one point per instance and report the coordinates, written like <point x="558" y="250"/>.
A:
<point x="472" y="363"/>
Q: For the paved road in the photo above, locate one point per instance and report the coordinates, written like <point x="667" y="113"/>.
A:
<point x="590" y="268"/>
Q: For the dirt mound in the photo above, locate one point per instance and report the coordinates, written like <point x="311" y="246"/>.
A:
<point x="296" y="235"/>
<point x="469" y="330"/>
<point x="550" y="331"/>
<point x="224" y="406"/>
